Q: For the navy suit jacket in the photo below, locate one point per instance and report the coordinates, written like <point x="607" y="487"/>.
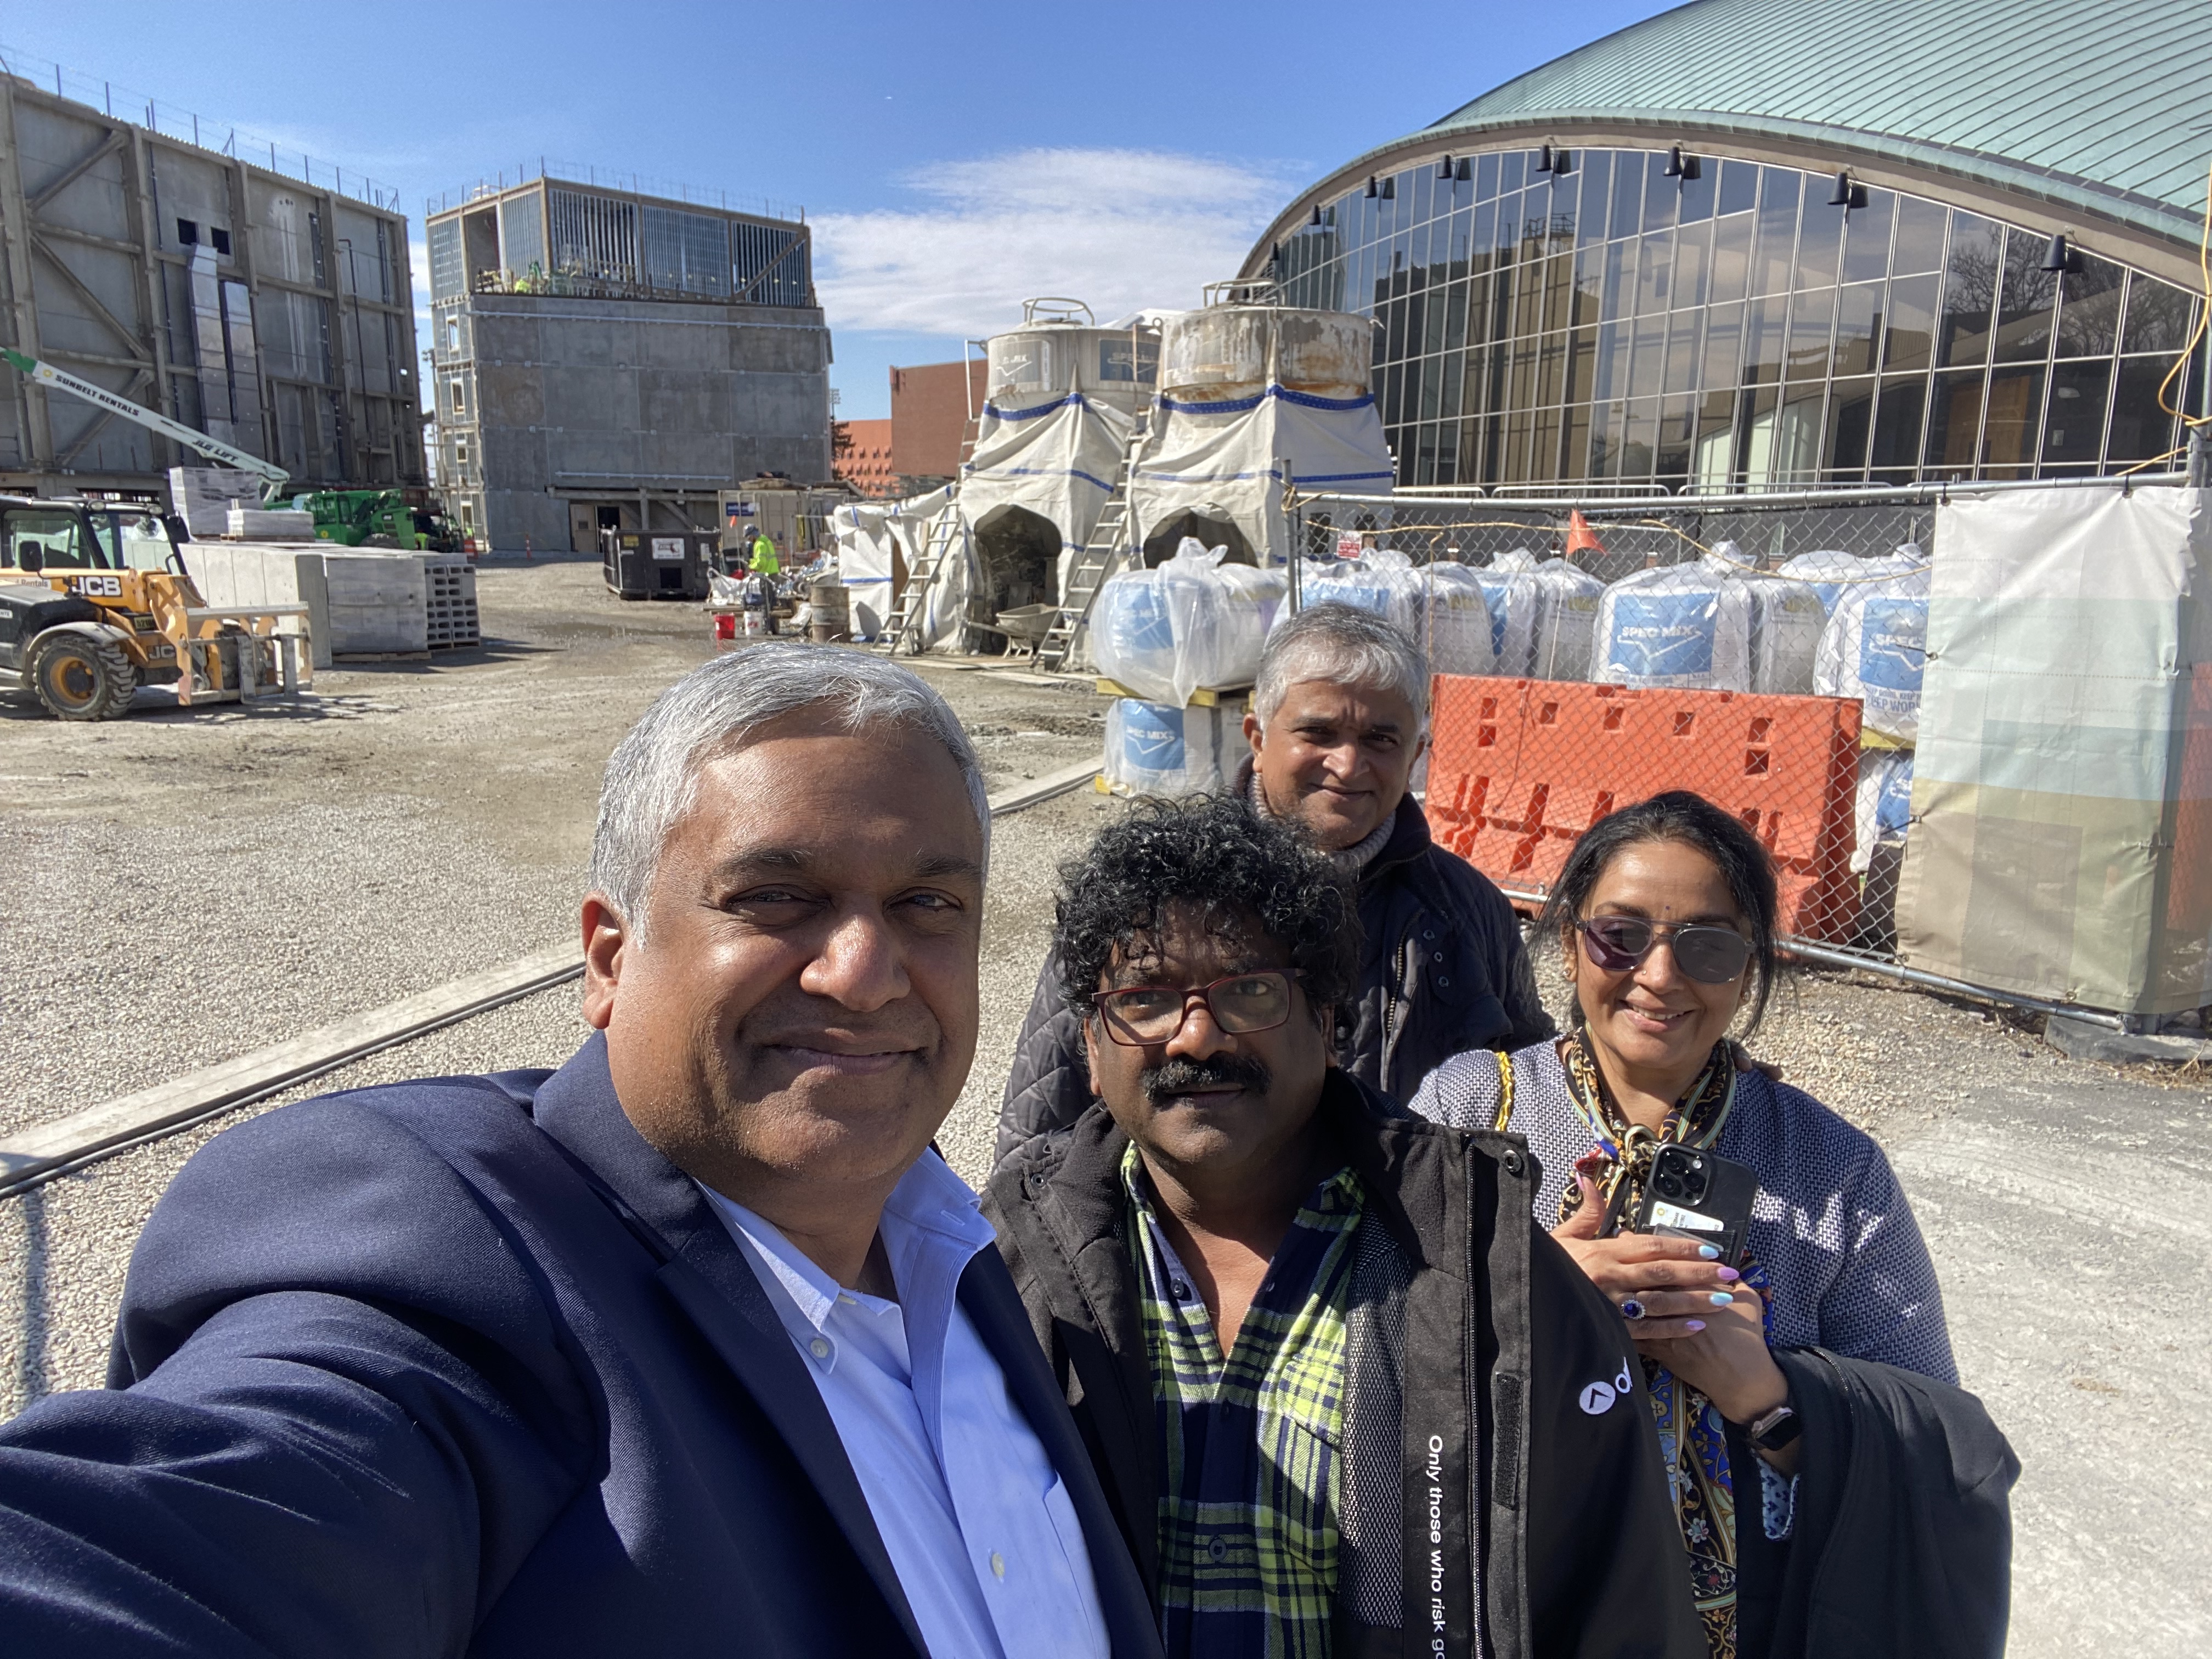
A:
<point x="465" y="1366"/>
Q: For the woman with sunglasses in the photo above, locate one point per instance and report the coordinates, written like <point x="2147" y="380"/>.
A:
<point x="1666" y="917"/>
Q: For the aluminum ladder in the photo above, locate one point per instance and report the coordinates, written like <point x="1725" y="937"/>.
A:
<point x="1109" y="540"/>
<point x="913" y="597"/>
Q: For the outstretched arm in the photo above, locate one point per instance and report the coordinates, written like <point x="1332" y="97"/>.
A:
<point x="307" y="1475"/>
<point x="342" y="1412"/>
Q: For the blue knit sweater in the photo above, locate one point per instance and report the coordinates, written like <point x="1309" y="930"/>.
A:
<point x="1847" y="1268"/>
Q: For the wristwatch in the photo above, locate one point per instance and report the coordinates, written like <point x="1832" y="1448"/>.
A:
<point x="1772" y="1430"/>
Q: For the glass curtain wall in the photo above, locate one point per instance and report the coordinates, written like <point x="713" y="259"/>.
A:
<point x="1620" y="325"/>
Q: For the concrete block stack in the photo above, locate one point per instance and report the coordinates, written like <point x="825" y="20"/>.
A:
<point x="450" y="584"/>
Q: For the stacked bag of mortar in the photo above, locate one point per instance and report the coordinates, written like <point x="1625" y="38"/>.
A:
<point x="1197" y="622"/>
<point x="1832" y="574"/>
<point x="1162" y="748"/>
<point x="1457" y="629"/>
<point x="1876" y="646"/>
<point x="1885" y="802"/>
<point x="1543" y="612"/>
<point x="1712" y="623"/>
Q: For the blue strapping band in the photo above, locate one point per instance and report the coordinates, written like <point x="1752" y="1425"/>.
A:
<point x="1036" y="472"/>
<point x="1245" y="405"/>
<point x="1073" y="400"/>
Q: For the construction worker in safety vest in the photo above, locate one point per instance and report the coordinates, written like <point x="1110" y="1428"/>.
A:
<point x="764" y="566"/>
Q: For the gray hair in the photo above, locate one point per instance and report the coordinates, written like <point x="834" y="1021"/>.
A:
<point x="652" y="777"/>
<point x="1344" y="645"/>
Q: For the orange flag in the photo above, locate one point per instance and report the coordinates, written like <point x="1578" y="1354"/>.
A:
<point x="1581" y="538"/>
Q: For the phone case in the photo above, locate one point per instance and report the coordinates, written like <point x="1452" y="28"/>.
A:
<point x="1719" y="1214"/>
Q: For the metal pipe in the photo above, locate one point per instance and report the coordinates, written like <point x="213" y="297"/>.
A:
<point x="1897" y="496"/>
<point x="1798" y="947"/>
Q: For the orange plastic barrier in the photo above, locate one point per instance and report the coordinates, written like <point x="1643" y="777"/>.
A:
<point x="1521" y="768"/>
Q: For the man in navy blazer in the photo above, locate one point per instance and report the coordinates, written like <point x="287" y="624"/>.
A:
<point x="693" y="1345"/>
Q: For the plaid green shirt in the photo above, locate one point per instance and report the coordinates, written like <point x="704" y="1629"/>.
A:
<point x="1249" y="1542"/>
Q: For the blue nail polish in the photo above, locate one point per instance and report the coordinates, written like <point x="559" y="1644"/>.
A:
<point x="1708" y="1253"/>
<point x="1721" y="1298"/>
<point x="1695" y="1325"/>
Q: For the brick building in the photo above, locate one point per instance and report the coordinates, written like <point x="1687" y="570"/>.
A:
<point x="930" y="421"/>
<point x="862" y="457"/>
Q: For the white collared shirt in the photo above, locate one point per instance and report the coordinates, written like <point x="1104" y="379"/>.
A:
<point x="979" y="1527"/>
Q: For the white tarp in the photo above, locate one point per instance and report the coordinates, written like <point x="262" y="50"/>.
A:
<point x="918" y="522"/>
<point x="865" y="547"/>
<point x="1058" y="460"/>
<point x="2061" y="843"/>
<point x="1225" y="461"/>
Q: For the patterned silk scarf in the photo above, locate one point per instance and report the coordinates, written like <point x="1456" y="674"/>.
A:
<point x="1692" y="1438"/>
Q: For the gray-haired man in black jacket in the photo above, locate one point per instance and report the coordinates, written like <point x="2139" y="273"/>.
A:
<point x="1339" y="719"/>
<point x="1344" y="1396"/>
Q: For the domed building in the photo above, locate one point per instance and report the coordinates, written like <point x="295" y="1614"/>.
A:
<point x="1762" y="243"/>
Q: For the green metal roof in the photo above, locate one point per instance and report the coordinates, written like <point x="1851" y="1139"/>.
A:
<point x="2105" y="104"/>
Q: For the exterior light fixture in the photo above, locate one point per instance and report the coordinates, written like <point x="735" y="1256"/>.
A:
<point x="1315" y="221"/>
<point x="1847" y="195"/>
<point x="1390" y="188"/>
<point x="1445" y="168"/>
<point x="1544" y="159"/>
<point x="1563" y="163"/>
<point x="1466" y="172"/>
<point x="1680" y="166"/>
<point x="1373" y="191"/>
<point x="2060" y="256"/>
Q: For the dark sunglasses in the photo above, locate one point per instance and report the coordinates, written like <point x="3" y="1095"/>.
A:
<point x="1713" y="954"/>
<point x="1240" y="1005"/>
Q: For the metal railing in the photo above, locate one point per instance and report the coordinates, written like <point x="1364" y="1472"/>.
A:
<point x="141" y="109"/>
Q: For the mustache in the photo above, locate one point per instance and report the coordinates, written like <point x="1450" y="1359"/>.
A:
<point x="1181" y="1076"/>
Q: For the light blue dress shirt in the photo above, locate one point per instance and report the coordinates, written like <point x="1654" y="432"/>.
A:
<point x="979" y="1526"/>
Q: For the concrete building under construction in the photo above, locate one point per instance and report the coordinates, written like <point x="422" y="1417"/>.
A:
<point x="274" y="314"/>
<point x="607" y="359"/>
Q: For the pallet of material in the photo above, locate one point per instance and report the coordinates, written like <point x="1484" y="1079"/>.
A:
<point x="380" y="603"/>
<point x="249" y="574"/>
<point x="450" y="589"/>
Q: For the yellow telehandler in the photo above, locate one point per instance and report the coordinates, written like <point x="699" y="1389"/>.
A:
<point x="95" y="601"/>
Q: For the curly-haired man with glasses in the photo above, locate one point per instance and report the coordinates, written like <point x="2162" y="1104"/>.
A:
<point x="1344" y="1397"/>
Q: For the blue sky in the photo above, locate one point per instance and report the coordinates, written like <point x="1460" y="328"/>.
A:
<point x="953" y="159"/>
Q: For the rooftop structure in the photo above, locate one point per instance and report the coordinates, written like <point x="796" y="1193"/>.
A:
<point x="606" y="359"/>
<point x="1787" y="242"/>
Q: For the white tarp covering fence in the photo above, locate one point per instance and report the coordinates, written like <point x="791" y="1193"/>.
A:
<point x="2061" y="844"/>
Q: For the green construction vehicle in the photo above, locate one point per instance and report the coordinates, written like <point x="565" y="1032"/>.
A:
<point x="378" y="518"/>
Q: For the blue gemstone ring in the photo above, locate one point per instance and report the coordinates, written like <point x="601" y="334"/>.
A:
<point x="1631" y="1309"/>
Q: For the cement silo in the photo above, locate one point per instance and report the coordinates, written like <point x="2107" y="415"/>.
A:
<point x="1248" y="389"/>
<point x="1061" y="398"/>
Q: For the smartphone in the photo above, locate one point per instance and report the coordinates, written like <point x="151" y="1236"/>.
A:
<point x="1696" y="1194"/>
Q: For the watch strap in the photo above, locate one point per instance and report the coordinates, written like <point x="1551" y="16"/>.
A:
<point x="1772" y="1430"/>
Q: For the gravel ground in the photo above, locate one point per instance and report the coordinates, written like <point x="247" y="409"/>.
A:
<point x="235" y="879"/>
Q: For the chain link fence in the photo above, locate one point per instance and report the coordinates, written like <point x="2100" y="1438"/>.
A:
<point x="1634" y="533"/>
<point x="1551" y="738"/>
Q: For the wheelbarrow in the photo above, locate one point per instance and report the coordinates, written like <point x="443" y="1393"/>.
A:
<point x="1025" y="627"/>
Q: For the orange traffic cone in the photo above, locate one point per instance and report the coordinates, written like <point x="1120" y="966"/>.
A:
<point x="1581" y="538"/>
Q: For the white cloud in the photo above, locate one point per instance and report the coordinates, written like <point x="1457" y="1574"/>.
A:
<point x="1119" y="229"/>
